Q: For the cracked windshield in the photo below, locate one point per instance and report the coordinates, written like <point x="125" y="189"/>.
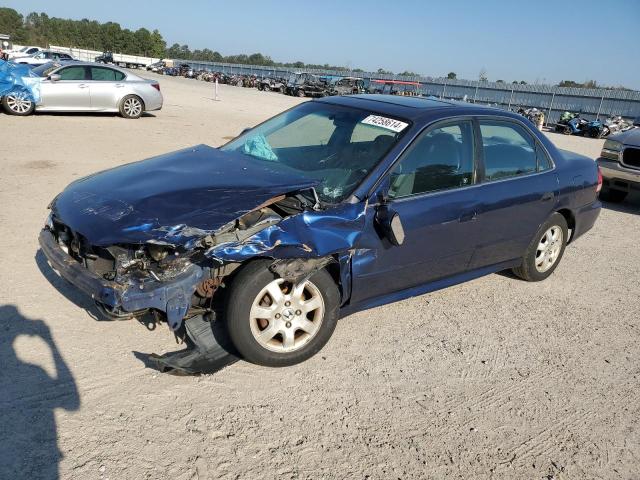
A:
<point x="334" y="145"/>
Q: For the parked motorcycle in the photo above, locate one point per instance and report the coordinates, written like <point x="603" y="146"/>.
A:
<point x="581" y="126"/>
<point x="563" y="123"/>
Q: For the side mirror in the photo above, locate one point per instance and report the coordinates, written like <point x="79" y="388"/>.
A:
<point x="390" y="224"/>
<point x="54" y="77"/>
<point x="245" y="131"/>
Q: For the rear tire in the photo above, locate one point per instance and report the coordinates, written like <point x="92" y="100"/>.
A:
<point x="18" y="103"/>
<point x="545" y="250"/>
<point x="131" y="106"/>
<point x="285" y="327"/>
<point x="300" y="93"/>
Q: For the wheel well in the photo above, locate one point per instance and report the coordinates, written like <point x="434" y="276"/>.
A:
<point x="334" y="270"/>
<point x="571" y="221"/>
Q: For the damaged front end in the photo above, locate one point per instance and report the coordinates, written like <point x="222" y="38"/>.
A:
<point x="114" y="236"/>
<point x="173" y="280"/>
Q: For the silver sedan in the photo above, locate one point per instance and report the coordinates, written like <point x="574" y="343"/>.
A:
<point x="86" y="87"/>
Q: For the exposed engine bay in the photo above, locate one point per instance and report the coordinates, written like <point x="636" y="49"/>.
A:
<point x="138" y="265"/>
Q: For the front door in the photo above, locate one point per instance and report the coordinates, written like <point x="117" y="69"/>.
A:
<point x="70" y="92"/>
<point x="432" y="188"/>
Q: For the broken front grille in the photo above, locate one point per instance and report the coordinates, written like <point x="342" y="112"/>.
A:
<point x="631" y="157"/>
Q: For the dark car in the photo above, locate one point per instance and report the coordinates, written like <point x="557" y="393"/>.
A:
<point x="104" y="57"/>
<point x="620" y="164"/>
<point x="335" y="206"/>
<point x="347" y="86"/>
<point x="307" y="85"/>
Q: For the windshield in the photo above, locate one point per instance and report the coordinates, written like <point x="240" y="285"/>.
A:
<point x="45" y="69"/>
<point x="335" y="145"/>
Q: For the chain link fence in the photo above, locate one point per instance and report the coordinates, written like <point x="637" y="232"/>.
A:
<point x="590" y="103"/>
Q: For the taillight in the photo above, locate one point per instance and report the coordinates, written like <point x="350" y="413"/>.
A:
<point x="599" y="186"/>
<point x="156" y="86"/>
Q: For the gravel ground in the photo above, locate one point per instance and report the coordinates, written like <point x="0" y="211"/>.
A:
<point x="496" y="378"/>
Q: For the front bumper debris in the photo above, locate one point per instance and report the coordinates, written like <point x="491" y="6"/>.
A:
<point x="171" y="297"/>
<point x="209" y="349"/>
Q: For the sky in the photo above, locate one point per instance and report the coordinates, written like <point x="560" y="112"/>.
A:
<point x="541" y="41"/>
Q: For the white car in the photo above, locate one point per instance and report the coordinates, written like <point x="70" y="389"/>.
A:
<point x="23" y="52"/>
<point x="84" y="87"/>
<point x="42" y="57"/>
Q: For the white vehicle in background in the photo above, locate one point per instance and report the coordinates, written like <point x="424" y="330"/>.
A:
<point x="23" y="52"/>
<point x="42" y="57"/>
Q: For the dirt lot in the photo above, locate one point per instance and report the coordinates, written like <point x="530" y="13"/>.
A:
<point x="496" y="378"/>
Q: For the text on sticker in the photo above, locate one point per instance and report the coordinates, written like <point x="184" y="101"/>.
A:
<point x="384" y="122"/>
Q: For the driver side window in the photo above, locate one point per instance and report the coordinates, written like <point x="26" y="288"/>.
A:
<point x="440" y="159"/>
<point x="72" y="73"/>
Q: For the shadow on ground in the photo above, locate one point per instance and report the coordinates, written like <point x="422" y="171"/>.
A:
<point x="631" y="204"/>
<point x="28" y="398"/>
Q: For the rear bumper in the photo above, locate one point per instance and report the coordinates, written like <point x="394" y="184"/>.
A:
<point x="585" y="218"/>
<point x="617" y="176"/>
<point x="172" y="297"/>
<point x="153" y="101"/>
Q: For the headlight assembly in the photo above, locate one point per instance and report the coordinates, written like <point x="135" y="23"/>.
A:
<point x="611" y="149"/>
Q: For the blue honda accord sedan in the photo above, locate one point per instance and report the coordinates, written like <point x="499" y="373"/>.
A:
<point x="335" y="206"/>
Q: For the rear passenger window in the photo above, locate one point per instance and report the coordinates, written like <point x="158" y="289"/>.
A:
<point x="543" y="159"/>
<point x="440" y="159"/>
<point x="509" y="151"/>
<point x="106" y="74"/>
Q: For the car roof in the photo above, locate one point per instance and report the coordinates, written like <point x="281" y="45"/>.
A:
<point x="412" y="108"/>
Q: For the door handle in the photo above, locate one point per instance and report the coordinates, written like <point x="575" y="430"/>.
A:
<point x="468" y="217"/>
<point x="119" y="85"/>
<point x="83" y="85"/>
<point x="547" y="196"/>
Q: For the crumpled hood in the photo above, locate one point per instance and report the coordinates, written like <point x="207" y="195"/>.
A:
<point x="171" y="198"/>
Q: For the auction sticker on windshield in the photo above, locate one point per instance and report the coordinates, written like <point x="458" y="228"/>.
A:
<point x="384" y="122"/>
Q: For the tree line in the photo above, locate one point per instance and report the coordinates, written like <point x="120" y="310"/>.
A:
<point x="40" y="29"/>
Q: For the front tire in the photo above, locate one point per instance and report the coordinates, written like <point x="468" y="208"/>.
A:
<point x="545" y="250"/>
<point x="275" y="323"/>
<point x="131" y="106"/>
<point x="18" y="103"/>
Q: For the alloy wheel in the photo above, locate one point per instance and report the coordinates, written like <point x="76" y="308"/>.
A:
<point x="549" y="249"/>
<point x="284" y="317"/>
<point x="18" y="103"/>
<point x="132" y="107"/>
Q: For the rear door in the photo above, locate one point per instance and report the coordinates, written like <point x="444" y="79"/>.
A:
<point x="70" y="93"/>
<point x="518" y="192"/>
<point x="106" y="87"/>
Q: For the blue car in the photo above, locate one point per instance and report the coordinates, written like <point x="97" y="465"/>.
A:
<point x="335" y="206"/>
